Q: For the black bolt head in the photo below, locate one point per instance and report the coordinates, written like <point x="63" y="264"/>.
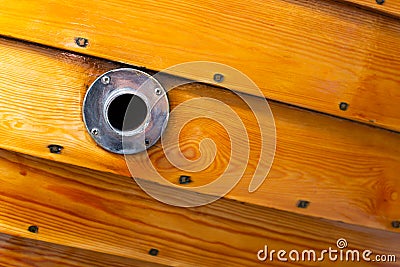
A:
<point x="55" y="149"/>
<point x="303" y="204"/>
<point x="153" y="252"/>
<point x="380" y="2"/>
<point x="396" y="224"/>
<point x="33" y="229"/>
<point x="185" y="179"/>
<point x="343" y="106"/>
<point x="81" y="42"/>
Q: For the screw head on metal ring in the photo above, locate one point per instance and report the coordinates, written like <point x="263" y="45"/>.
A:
<point x="105" y="79"/>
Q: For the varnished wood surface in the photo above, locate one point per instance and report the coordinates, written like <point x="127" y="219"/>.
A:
<point x="24" y="252"/>
<point x="391" y="7"/>
<point x="348" y="171"/>
<point x="110" y="214"/>
<point x="314" y="54"/>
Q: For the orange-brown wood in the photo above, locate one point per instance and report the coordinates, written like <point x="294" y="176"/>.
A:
<point x="24" y="252"/>
<point x="348" y="171"/>
<point x="314" y="54"/>
<point x="391" y="7"/>
<point x="111" y="214"/>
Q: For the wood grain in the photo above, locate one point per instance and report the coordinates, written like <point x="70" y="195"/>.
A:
<point x="313" y="54"/>
<point x="390" y="7"/>
<point x="110" y="214"/>
<point x="24" y="252"/>
<point x="348" y="171"/>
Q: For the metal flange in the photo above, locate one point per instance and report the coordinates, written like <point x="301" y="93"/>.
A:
<point x="125" y="111"/>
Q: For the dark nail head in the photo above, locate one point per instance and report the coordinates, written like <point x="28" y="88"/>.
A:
<point x="55" y="149"/>
<point x="303" y="204"/>
<point x="153" y="252"/>
<point x="81" y="42"/>
<point x="343" y="106"/>
<point x="33" y="229"/>
<point x="184" y="179"/>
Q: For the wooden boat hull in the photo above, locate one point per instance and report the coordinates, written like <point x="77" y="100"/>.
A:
<point x="330" y="72"/>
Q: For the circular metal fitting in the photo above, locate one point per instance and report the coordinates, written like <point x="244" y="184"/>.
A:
<point x="125" y="111"/>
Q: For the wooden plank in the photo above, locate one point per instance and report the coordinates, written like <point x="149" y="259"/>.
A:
<point x="24" y="252"/>
<point x="110" y="214"/>
<point x="391" y="7"/>
<point x="328" y="161"/>
<point x="314" y="54"/>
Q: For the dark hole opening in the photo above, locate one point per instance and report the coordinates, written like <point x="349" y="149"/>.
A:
<point x="118" y="108"/>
